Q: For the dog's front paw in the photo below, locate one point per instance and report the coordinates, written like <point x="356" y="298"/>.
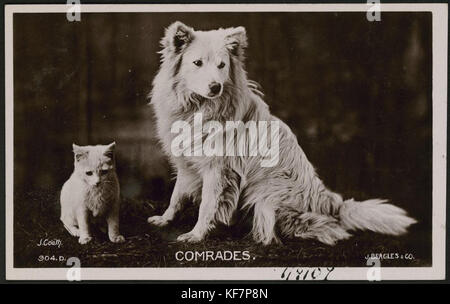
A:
<point x="157" y="220"/>
<point x="117" y="239"/>
<point x="190" y="237"/>
<point x="84" y="240"/>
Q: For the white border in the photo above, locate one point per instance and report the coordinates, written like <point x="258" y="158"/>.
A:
<point x="440" y="44"/>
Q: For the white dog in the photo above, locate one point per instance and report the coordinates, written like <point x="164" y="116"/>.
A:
<point x="203" y="72"/>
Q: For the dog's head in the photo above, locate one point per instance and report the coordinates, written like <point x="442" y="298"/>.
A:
<point x="203" y="60"/>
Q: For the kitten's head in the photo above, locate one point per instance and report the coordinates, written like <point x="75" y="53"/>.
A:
<point x="94" y="164"/>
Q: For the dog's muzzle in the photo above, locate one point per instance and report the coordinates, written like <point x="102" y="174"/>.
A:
<point x="214" y="89"/>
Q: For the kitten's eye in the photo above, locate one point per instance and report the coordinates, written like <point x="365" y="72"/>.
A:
<point x="198" y="63"/>
<point x="103" y="172"/>
<point x="221" y="65"/>
<point x="89" y="173"/>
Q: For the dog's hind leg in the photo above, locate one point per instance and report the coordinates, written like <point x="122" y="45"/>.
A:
<point x="264" y="220"/>
<point x="186" y="184"/>
<point x="264" y="198"/>
<point x="220" y="193"/>
<point x="293" y="223"/>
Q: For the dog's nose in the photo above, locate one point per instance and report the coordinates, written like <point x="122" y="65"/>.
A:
<point x="215" y="87"/>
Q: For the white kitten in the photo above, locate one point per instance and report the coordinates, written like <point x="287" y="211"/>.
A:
<point x="92" y="190"/>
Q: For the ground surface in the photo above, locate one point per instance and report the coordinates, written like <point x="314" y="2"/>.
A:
<point x="37" y="218"/>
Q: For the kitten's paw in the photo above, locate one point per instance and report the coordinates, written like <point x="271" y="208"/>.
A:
<point x="73" y="231"/>
<point x="117" y="239"/>
<point x="76" y="232"/>
<point x="158" y="220"/>
<point x="84" y="240"/>
<point x="190" y="237"/>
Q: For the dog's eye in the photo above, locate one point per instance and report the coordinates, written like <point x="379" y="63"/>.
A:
<point x="103" y="172"/>
<point x="221" y="65"/>
<point x="198" y="63"/>
<point x="89" y="173"/>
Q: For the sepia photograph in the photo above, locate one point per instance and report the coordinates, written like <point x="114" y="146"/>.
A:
<point x="226" y="141"/>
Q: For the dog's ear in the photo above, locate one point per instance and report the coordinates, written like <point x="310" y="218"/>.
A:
<point x="236" y="40"/>
<point x="177" y="37"/>
<point x="79" y="152"/>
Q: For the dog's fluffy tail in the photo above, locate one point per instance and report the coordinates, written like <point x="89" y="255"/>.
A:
<point x="374" y="215"/>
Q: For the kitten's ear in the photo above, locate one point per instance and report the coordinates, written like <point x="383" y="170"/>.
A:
<point x="79" y="152"/>
<point x="236" y="41"/>
<point x="109" y="151"/>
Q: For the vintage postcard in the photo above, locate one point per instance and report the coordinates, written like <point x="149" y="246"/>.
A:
<point x="226" y="142"/>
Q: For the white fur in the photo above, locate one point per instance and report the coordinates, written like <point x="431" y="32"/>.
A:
<point x="374" y="215"/>
<point x="91" y="191"/>
<point x="289" y="195"/>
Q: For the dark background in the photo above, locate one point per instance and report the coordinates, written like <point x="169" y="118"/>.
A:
<point x="357" y="94"/>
